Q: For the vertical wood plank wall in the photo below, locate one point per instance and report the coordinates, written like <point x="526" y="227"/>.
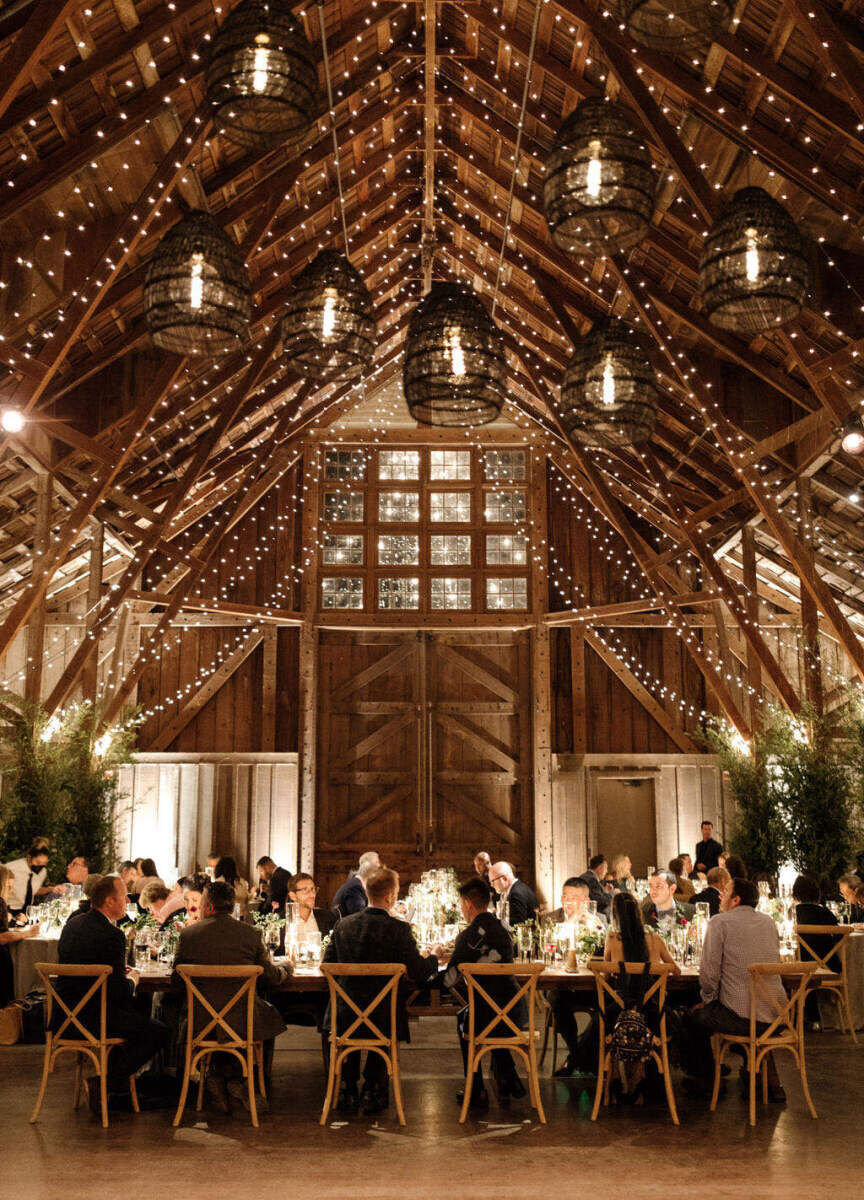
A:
<point x="182" y="807"/>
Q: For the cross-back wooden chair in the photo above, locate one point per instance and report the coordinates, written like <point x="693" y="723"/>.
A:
<point x="784" y="1032"/>
<point x="655" y="995"/>
<point x="363" y="1033"/>
<point x="839" y="937"/>
<point x="489" y="1038"/>
<point x="217" y="1025"/>
<point x="73" y="1036"/>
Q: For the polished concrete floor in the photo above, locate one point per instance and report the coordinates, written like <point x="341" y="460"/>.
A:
<point x="632" y="1153"/>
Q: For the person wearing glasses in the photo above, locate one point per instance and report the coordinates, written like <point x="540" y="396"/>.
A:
<point x="522" y="902"/>
<point x="303" y="892"/>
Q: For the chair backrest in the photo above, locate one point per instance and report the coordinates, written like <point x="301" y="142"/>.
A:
<point x="789" y="1015"/>
<point x="838" y="935"/>
<point x="392" y="972"/>
<point x="74" y="1018"/>
<point x="502" y="1013"/>
<point x="217" y="1028"/>
<point x="656" y="991"/>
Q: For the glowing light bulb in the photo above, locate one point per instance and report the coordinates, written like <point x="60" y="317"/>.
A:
<point x="608" y="381"/>
<point x="196" y="283"/>
<point x="12" y="420"/>
<point x="328" y="318"/>
<point x="103" y="744"/>
<point x="751" y="256"/>
<point x="261" y="64"/>
<point x="592" y="182"/>
<point x="457" y="354"/>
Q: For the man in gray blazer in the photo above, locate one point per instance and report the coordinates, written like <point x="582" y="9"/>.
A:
<point x="219" y="940"/>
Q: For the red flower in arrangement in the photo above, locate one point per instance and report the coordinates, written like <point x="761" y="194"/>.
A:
<point x="682" y="921"/>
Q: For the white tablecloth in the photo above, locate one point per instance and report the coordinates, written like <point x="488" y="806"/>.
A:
<point x="25" y="955"/>
<point x="855" y="968"/>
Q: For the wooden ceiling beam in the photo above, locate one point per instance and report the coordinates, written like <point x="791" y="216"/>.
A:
<point x="15" y="65"/>
<point x="832" y="47"/>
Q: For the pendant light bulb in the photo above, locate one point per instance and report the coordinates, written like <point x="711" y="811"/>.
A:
<point x="751" y="256"/>
<point x="593" y="180"/>
<point x="328" y="319"/>
<point x="608" y="381"/>
<point x="261" y="63"/>
<point x="196" y="283"/>
<point x="457" y="354"/>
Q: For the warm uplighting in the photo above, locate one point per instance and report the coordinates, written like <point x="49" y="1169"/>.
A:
<point x="12" y="420"/>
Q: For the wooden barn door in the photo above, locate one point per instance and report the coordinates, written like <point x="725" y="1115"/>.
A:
<point x="423" y="751"/>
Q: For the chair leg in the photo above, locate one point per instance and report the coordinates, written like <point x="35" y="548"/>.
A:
<point x="751" y="1062"/>
<point x="545" y="1045"/>
<point x="250" y="1084"/>
<point x="78" y="1085"/>
<point x="331" y="1083"/>
<point x="802" y="1067"/>
<point x="397" y="1081"/>
<point x="46" y="1068"/>
<point x="103" y="1085"/>
<point x="184" y="1091"/>
<point x="601" y="1072"/>
<point x="849" y="1015"/>
<point x="718" y="1048"/>
<point x="667" y="1079"/>
<point x="534" y="1083"/>
<point x="133" y="1092"/>
<point x="765" y="1079"/>
<point x="202" y="1075"/>
<point x="262" y="1082"/>
<point x="470" y="1066"/>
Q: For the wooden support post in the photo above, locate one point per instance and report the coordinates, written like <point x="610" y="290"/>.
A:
<point x="89" y="677"/>
<point x="577" y="689"/>
<point x="268" y="689"/>
<point x="545" y="823"/>
<point x="751" y="603"/>
<point x="810" y="652"/>
<point x="36" y="627"/>
<point x="309" y="658"/>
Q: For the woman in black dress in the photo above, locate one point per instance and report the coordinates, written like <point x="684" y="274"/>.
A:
<point x="7" y="938"/>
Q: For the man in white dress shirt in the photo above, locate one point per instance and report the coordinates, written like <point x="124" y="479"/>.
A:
<point x="29" y="876"/>
<point x="737" y="937"/>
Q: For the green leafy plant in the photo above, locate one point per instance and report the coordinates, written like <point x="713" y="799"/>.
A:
<point x="60" y="780"/>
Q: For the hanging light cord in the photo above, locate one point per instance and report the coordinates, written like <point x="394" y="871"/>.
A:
<point x="516" y="154"/>
<point x="333" y="126"/>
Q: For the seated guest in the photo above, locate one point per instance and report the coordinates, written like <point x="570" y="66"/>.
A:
<point x="574" y="906"/>
<point x="128" y="872"/>
<point x="8" y="937"/>
<point x="684" y="889"/>
<point x="621" y="873"/>
<point x="810" y="911"/>
<point x="309" y="919"/>
<point x="28" y="877"/>
<point x="225" y="871"/>
<point x="719" y="880"/>
<point x="689" y="872"/>
<point x="153" y="900"/>
<point x="735" y="866"/>
<point x="522" y="903"/>
<point x="482" y="863"/>
<point x="594" y="877"/>
<point x="212" y="862"/>
<point x="373" y="936"/>
<point x="660" y="904"/>
<point x="708" y="850"/>
<point x="735" y="938"/>
<point x="849" y="885"/>
<point x="91" y="938"/>
<point x="631" y="941"/>
<point x="485" y="941"/>
<point x="77" y="872"/>
<point x="85" y="902"/>
<point x="217" y="939"/>
<point x="273" y="882"/>
<point x="193" y="894"/>
<point x="351" y="896"/>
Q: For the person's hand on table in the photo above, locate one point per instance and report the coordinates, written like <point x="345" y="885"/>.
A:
<point x="32" y="932"/>
<point x="58" y="889"/>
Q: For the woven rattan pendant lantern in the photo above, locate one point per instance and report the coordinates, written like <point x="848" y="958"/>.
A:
<point x="328" y="330"/>
<point x="753" y="274"/>
<point x="454" y="371"/>
<point x="262" y="81"/>
<point x="196" y="292"/>
<point x="673" y="25"/>
<point x="599" y="190"/>
<point x="608" y="394"/>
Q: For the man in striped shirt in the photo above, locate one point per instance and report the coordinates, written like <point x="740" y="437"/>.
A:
<point x="735" y="938"/>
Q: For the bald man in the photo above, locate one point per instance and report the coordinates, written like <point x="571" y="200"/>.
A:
<point x="523" y="904"/>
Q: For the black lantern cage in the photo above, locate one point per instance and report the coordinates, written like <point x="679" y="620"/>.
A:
<point x="608" y="393"/>
<point x="196" y="292"/>
<point x="454" y="370"/>
<point x="674" y="25"/>
<point x="262" y="79"/>
<point x="328" y="328"/>
<point x="599" y="189"/>
<point x="753" y="274"/>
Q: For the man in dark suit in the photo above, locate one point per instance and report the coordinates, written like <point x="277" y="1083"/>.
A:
<point x="718" y="881"/>
<point x="275" y="880"/>
<point x="522" y="903"/>
<point x="485" y="941"/>
<point x="307" y="1008"/>
<point x="708" y="851"/>
<point x="809" y="910"/>
<point x="351" y="896"/>
<point x="90" y="938"/>
<point x="373" y="936"/>
<point x="660" y="904"/>
<point x="309" y="918"/>
<point x="597" y="871"/>
<point x="217" y="939"/>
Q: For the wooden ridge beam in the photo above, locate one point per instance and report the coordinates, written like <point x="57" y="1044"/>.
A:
<point x="206" y="691"/>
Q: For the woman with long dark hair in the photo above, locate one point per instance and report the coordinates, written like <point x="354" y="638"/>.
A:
<point x="226" y="871"/>
<point x="630" y="941"/>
